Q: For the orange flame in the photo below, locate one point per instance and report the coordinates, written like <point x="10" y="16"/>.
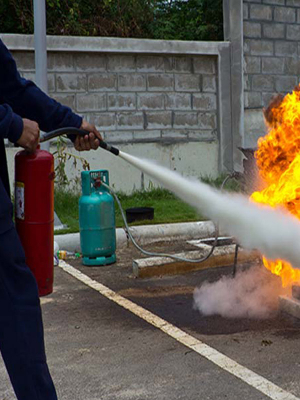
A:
<point x="278" y="161"/>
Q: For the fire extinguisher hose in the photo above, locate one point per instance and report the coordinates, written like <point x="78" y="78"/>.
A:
<point x="67" y="131"/>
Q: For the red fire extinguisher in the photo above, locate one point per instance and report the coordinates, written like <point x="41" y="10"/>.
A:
<point x="34" y="213"/>
<point x="34" y="208"/>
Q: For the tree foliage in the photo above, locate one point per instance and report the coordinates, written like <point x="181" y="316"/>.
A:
<point x="189" y="20"/>
<point x="157" y="19"/>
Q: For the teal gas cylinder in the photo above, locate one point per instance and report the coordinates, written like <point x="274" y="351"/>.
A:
<point x="97" y="220"/>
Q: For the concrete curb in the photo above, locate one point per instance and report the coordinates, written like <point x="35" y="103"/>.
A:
<point x="222" y="257"/>
<point x="147" y="234"/>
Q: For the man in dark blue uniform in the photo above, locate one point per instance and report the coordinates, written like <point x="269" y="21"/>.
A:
<point x="24" y="108"/>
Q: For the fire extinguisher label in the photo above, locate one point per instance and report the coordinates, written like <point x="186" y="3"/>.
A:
<point x="20" y="212"/>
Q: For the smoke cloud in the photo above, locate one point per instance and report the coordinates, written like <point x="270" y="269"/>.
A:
<point x="252" y="293"/>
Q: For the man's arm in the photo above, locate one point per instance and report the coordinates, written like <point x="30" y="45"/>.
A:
<point x="29" y="102"/>
<point x="18" y="130"/>
<point x="11" y="124"/>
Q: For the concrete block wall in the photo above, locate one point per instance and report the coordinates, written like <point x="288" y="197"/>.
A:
<point x="271" y="49"/>
<point x="133" y="98"/>
<point x="163" y="100"/>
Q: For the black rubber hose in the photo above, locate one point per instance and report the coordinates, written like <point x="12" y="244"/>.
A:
<point x="67" y="131"/>
<point x="62" y="131"/>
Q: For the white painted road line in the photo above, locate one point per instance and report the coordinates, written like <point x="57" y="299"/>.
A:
<point x="246" y="375"/>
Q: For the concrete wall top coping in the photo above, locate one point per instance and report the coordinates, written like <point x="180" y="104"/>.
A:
<point x="115" y="45"/>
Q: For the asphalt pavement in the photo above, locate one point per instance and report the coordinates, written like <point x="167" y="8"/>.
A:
<point x="100" y="346"/>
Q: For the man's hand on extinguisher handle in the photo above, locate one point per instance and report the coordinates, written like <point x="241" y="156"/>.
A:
<point x="30" y="135"/>
<point x="90" y="141"/>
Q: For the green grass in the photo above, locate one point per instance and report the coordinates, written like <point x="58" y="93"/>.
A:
<point x="167" y="207"/>
<point x="66" y="208"/>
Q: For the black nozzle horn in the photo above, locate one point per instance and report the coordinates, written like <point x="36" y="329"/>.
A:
<point x="108" y="147"/>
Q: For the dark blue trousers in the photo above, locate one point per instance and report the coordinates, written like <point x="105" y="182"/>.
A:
<point x="21" y="328"/>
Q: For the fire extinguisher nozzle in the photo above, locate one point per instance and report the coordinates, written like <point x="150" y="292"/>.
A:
<point x="107" y="147"/>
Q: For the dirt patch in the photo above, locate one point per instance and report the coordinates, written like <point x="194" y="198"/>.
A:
<point x="158" y="291"/>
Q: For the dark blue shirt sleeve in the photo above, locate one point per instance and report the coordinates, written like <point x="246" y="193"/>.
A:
<point x="11" y="124"/>
<point x="21" y="98"/>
